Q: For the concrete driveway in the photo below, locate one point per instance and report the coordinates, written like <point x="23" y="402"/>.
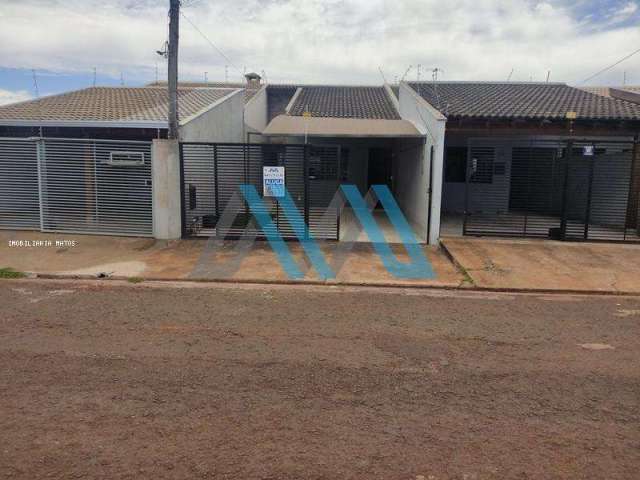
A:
<point x="547" y="265"/>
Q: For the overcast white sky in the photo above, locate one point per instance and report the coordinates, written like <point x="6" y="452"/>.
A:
<point x="328" y="41"/>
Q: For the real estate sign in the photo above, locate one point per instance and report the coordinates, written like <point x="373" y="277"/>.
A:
<point x="273" y="181"/>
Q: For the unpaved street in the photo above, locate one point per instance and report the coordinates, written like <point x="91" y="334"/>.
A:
<point x="117" y="380"/>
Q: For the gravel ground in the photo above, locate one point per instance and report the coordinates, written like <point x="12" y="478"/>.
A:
<point x="115" y="380"/>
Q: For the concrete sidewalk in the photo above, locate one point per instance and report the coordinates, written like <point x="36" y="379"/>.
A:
<point x="183" y="259"/>
<point x="547" y="265"/>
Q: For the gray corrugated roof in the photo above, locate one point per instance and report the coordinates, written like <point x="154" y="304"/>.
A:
<point x="345" y="102"/>
<point x="522" y="100"/>
<point x="112" y="104"/>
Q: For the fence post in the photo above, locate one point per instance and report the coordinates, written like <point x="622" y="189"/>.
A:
<point x="567" y="170"/>
<point x="40" y="160"/>
<point x="166" y="187"/>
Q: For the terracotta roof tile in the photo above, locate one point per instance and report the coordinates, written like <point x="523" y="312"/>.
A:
<point x="113" y="104"/>
<point x="522" y="100"/>
<point x="345" y="102"/>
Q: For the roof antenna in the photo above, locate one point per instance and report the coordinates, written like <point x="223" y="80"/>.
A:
<point x="418" y="72"/>
<point x="37" y="91"/>
<point x="94" y="76"/>
<point x="122" y="79"/>
<point x="548" y="75"/>
<point x="405" y="73"/>
<point x="510" y="75"/>
<point x="35" y="83"/>
<point x="435" y="73"/>
<point x="382" y="74"/>
<point x="206" y="80"/>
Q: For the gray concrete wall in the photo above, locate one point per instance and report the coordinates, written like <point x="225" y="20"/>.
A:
<point x="224" y="122"/>
<point x="431" y="123"/>
<point x="166" y="199"/>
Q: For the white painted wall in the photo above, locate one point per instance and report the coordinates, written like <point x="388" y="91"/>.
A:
<point x="165" y="175"/>
<point x="431" y="123"/>
<point x="256" y="114"/>
<point x="222" y="122"/>
<point x="410" y="183"/>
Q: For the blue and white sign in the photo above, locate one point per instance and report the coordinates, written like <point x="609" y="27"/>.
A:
<point x="273" y="181"/>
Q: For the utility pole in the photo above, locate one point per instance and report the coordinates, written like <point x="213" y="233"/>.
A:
<point x="174" y="19"/>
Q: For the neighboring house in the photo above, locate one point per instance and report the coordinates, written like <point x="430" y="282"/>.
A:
<point x="627" y="93"/>
<point x="542" y="160"/>
<point x="82" y="161"/>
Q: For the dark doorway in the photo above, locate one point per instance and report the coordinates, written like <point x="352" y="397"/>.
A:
<point x="380" y="172"/>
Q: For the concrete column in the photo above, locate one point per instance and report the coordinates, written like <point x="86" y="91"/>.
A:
<point x="167" y="205"/>
<point x="436" y="193"/>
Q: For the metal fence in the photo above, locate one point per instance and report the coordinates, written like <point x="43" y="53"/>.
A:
<point x="212" y="174"/>
<point x="19" y="198"/>
<point x="559" y="189"/>
<point x="77" y="186"/>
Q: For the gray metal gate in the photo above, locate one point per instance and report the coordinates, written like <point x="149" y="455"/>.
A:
<point x="76" y="186"/>
<point x="213" y="173"/>
<point x="19" y="198"/>
<point x="560" y="189"/>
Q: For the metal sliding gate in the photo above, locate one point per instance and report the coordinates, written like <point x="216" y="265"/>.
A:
<point x="212" y="174"/>
<point x="565" y="190"/>
<point x="76" y="186"/>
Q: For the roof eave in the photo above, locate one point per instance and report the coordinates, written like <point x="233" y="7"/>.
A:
<point x="84" y="123"/>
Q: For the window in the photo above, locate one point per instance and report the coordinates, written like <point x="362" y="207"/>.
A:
<point x="126" y="159"/>
<point x="482" y="164"/>
<point x="272" y="155"/>
<point x="455" y="165"/>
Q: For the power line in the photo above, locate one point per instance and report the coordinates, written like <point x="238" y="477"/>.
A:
<point x="610" y="67"/>
<point x="210" y="42"/>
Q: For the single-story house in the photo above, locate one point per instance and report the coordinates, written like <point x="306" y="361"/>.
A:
<point x="628" y="93"/>
<point x="82" y="161"/>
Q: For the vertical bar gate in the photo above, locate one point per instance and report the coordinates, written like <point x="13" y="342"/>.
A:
<point x="559" y="189"/>
<point x="213" y="173"/>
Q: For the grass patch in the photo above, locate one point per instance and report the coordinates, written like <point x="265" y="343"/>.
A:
<point x="8" y="272"/>
<point x="135" y="280"/>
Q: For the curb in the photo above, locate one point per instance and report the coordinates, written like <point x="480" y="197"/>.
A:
<point x="457" y="264"/>
<point x="473" y="288"/>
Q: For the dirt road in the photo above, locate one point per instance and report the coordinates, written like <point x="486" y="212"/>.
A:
<point x="146" y="381"/>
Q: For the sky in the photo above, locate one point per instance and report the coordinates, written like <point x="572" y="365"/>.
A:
<point x="52" y="46"/>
